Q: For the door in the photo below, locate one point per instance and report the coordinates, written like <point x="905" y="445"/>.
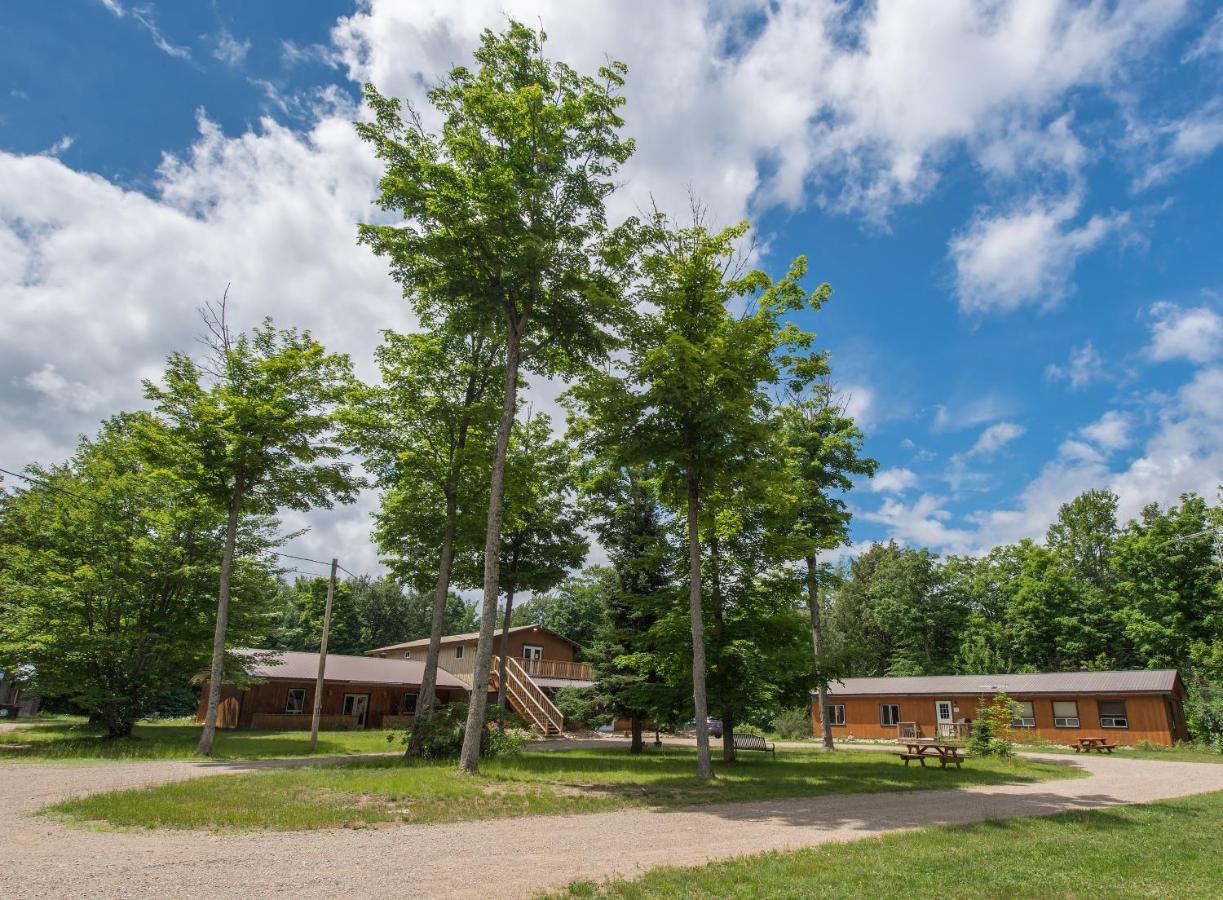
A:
<point x="943" y="716"/>
<point x="356" y="705"/>
<point x="532" y="651"/>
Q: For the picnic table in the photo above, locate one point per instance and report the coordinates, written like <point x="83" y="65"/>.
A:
<point x="923" y="750"/>
<point x="1098" y="744"/>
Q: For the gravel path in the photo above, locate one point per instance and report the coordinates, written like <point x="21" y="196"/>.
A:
<point x="517" y="856"/>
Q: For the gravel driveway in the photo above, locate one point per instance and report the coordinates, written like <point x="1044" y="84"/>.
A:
<point x="517" y="856"/>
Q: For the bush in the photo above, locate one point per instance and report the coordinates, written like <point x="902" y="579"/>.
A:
<point x="793" y="724"/>
<point x="991" y="733"/>
<point x="504" y="741"/>
<point x="443" y="735"/>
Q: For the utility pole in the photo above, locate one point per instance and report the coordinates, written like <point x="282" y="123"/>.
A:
<point x="322" y="659"/>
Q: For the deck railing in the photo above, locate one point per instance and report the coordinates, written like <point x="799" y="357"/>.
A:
<point x="557" y="668"/>
<point x="526" y="698"/>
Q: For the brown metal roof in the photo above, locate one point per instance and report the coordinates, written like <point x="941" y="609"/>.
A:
<point x="1159" y="681"/>
<point x="295" y="666"/>
<point x="469" y="637"/>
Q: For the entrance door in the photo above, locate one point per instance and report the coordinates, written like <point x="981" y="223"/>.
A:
<point x="356" y="705"/>
<point x="943" y="715"/>
<point x="532" y="651"/>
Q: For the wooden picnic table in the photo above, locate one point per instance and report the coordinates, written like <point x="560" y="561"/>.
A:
<point x="1098" y="744"/>
<point x="923" y="750"/>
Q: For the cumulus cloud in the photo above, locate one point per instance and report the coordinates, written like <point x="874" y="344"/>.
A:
<point x="1084" y="367"/>
<point x="996" y="437"/>
<point x="1195" y="334"/>
<point x="893" y="481"/>
<point x="1110" y="432"/>
<point x="1024" y="257"/>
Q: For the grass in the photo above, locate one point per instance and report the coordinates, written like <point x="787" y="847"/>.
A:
<point x="176" y="739"/>
<point x="1167" y="849"/>
<point x="554" y="782"/>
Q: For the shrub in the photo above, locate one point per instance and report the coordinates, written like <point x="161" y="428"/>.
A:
<point x="579" y="707"/>
<point x="793" y="724"/>
<point x="443" y="735"/>
<point x="992" y="732"/>
<point x="504" y="741"/>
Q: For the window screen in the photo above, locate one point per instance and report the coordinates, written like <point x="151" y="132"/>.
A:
<point x="297" y="701"/>
<point x="1065" y="714"/>
<point x="1112" y="714"/>
<point x="836" y="714"/>
<point x="1022" y="715"/>
<point x="889" y="713"/>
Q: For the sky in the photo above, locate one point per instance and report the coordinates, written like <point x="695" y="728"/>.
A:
<point x="1019" y="206"/>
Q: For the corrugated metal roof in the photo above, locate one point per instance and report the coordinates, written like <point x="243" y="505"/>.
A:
<point x="460" y="639"/>
<point x="1136" y="682"/>
<point x="290" y="664"/>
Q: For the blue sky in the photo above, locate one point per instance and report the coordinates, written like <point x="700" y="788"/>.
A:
<point x="1018" y="206"/>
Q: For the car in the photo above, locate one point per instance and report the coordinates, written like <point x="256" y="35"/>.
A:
<point x="714" y="725"/>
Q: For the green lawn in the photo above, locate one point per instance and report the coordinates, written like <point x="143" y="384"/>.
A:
<point x="1168" y="849"/>
<point x="557" y="782"/>
<point x="176" y="739"/>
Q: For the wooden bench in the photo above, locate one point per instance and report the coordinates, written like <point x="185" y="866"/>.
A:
<point x="1100" y="745"/>
<point x="944" y="753"/>
<point x="754" y="742"/>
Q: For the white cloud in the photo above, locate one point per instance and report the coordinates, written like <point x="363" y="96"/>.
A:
<point x="1084" y="367"/>
<point x="114" y="8"/>
<point x="1211" y="41"/>
<point x="62" y="393"/>
<point x="230" y="50"/>
<point x="893" y="481"/>
<point x="1025" y="257"/>
<point x="1195" y="334"/>
<point x="60" y="146"/>
<point x="959" y="415"/>
<point x="1110" y="432"/>
<point x="1178" y="144"/>
<point x="996" y="437"/>
<point x="144" y="15"/>
<point x="922" y="523"/>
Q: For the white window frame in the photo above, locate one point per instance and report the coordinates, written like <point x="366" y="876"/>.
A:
<point x="1022" y="721"/>
<point x="289" y="710"/>
<point x="895" y="716"/>
<point x="459" y="651"/>
<point x="527" y="648"/>
<point x="1066" y="721"/>
<point x="1114" y="721"/>
<point x="836" y="713"/>
<point x="407" y="654"/>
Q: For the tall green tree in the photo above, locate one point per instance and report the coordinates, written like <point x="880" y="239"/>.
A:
<point x="253" y="430"/>
<point x="824" y="448"/>
<point x="426" y="432"/>
<point x="504" y="227"/>
<point x="107" y="567"/>
<point x="575" y="608"/>
<point x="690" y="399"/>
<point x="541" y="538"/>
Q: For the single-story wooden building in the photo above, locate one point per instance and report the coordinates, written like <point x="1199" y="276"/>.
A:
<point x="1058" y="707"/>
<point x="358" y="692"/>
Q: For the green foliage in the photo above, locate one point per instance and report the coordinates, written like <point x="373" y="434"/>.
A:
<point x="442" y="735"/>
<point x="994" y="721"/>
<point x="108" y="572"/>
<point x="576" y="608"/>
<point x="580" y="706"/>
<point x="793" y="724"/>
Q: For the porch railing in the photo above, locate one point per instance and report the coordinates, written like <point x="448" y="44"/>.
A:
<point x="557" y="668"/>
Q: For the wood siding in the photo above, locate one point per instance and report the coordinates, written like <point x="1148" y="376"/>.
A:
<point x="555" y="648"/>
<point x="264" y="705"/>
<point x="1156" y="718"/>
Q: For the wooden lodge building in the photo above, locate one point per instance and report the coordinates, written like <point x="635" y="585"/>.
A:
<point x="358" y="692"/>
<point x="1057" y="707"/>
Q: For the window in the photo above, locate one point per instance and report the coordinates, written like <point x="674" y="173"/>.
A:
<point x="1065" y="714"/>
<point x="1112" y="714"/>
<point x="459" y="650"/>
<point x="407" y="654"/>
<point x="1022" y="714"/>
<point x="836" y="714"/>
<point x="409" y="704"/>
<point x="889" y="713"/>
<point x="532" y="651"/>
<point x="297" y="701"/>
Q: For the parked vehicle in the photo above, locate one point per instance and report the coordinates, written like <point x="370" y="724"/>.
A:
<point x="715" y="726"/>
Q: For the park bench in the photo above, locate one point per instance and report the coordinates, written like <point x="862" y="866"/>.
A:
<point x="944" y="753"/>
<point x="754" y="742"/>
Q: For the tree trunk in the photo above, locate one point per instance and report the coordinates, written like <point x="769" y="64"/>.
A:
<point x="728" y="734"/>
<point x="469" y="758"/>
<point x="428" y="681"/>
<point x="817" y="643"/>
<point x="505" y="649"/>
<point x="216" y="674"/>
<point x="704" y="768"/>
<point x="637" y="746"/>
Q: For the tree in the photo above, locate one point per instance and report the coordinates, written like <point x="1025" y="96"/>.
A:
<point x="541" y="539"/>
<point x="253" y="430"/>
<point x="425" y="433"/>
<point x="825" y="449"/>
<point x="106" y="567"/>
<point x="504" y="227"/>
<point x="690" y="399"/>
<point x="575" y="608"/>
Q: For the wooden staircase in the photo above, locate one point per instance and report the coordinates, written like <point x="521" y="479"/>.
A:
<point x="525" y="697"/>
